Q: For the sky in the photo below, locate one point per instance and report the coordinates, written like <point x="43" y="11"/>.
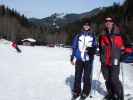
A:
<point x="44" y="8"/>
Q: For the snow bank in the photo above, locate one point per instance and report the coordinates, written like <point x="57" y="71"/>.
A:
<point x="42" y="73"/>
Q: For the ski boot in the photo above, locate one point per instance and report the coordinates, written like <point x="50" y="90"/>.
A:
<point x="108" y="97"/>
<point x="83" y="97"/>
<point x="117" y="97"/>
<point x="75" y="96"/>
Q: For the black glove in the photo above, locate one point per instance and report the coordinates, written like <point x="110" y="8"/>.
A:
<point x="91" y="50"/>
<point x="71" y="58"/>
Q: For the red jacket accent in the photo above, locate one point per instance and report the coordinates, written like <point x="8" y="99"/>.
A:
<point x="128" y="50"/>
<point x="106" y="43"/>
<point x="118" y="41"/>
<point x="14" y="45"/>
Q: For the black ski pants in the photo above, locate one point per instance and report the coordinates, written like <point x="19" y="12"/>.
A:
<point x="112" y="82"/>
<point x="17" y="48"/>
<point x="82" y="71"/>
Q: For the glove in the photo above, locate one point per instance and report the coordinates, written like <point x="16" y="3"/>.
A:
<point x="91" y="50"/>
<point x="71" y="58"/>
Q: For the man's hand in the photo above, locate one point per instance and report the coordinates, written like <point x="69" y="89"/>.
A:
<point x="72" y="63"/>
<point x="73" y="60"/>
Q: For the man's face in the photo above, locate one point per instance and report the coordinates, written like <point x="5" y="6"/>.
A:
<point x="109" y="24"/>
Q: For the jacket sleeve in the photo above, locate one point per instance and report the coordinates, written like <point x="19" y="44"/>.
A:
<point x="102" y="44"/>
<point x="74" y="47"/>
<point x="125" y="49"/>
<point x="14" y="44"/>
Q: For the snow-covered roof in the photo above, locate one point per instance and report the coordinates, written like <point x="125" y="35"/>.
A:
<point x="29" y="39"/>
<point x="4" y="41"/>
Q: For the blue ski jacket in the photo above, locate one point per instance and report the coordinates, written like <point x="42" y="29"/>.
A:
<point x="83" y="45"/>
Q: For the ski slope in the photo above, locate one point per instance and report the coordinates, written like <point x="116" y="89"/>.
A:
<point x="43" y="73"/>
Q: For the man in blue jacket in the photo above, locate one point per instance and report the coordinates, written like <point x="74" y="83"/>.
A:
<point x="83" y="48"/>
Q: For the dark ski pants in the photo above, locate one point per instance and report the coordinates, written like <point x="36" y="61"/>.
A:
<point x="82" y="69"/>
<point x="17" y="48"/>
<point x="112" y="82"/>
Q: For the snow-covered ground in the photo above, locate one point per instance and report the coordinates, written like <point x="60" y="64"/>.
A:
<point x="42" y="73"/>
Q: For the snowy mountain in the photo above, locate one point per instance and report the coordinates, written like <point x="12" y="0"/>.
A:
<point x="62" y="19"/>
<point x="43" y="73"/>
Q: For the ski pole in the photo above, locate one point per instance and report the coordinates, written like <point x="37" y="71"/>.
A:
<point x="95" y="86"/>
<point x="91" y="83"/>
<point x="99" y="73"/>
<point x="122" y="75"/>
<point x="91" y="80"/>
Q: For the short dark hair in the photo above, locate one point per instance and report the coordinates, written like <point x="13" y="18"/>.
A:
<point x="86" y="22"/>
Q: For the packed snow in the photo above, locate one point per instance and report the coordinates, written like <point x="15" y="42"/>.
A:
<point x="44" y="73"/>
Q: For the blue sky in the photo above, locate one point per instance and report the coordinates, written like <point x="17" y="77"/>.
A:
<point x="44" y="8"/>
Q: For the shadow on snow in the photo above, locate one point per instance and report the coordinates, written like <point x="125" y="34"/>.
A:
<point x="96" y="85"/>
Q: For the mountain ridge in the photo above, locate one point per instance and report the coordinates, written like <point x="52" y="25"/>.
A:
<point x="68" y="18"/>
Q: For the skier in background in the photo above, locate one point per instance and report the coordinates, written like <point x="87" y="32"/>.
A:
<point x="111" y="45"/>
<point x="14" y="45"/>
<point x="83" y="49"/>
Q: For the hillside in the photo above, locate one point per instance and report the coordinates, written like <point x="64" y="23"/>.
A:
<point x="14" y="26"/>
<point x="122" y="14"/>
<point x="60" y="28"/>
<point x="61" y="19"/>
